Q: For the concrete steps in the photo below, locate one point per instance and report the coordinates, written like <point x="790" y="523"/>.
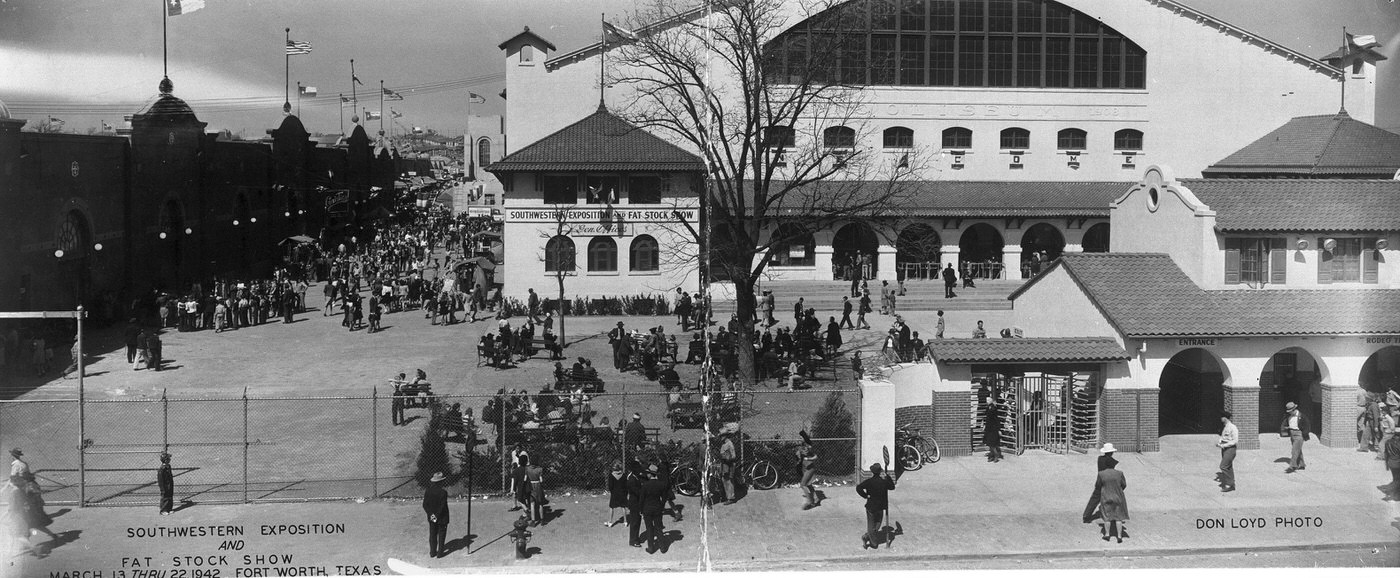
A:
<point x="825" y="296"/>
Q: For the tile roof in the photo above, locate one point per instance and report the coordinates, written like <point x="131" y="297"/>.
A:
<point x="1323" y="145"/>
<point x="1027" y="350"/>
<point x="1148" y="295"/>
<point x="527" y="36"/>
<point x="987" y="198"/>
<point x="599" y="142"/>
<point x="1300" y="205"/>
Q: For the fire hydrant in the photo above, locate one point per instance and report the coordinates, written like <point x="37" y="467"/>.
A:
<point x="521" y="536"/>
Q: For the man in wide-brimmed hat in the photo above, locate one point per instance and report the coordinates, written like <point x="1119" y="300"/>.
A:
<point x="435" y="505"/>
<point x="1297" y="428"/>
<point x="165" y="478"/>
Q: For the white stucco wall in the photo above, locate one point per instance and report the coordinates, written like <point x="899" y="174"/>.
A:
<point x="1179" y="225"/>
<point x="1056" y="307"/>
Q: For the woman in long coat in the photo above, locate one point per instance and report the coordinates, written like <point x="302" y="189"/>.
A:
<point x="991" y="429"/>
<point x="1113" y="503"/>
<point x="617" y="494"/>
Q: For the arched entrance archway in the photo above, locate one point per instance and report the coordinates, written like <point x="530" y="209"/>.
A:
<point x="1096" y="239"/>
<point x="172" y="231"/>
<point x="1191" y="393"/>
<point x="1291" y="374"/>
<point x="979" y="244"/>
<point x="74" y="245"/>
<point x="1381" y="372"/>
<point x="854" y="249"/>
<point x="920" y="247"/>
<point x="1041" y="244"/>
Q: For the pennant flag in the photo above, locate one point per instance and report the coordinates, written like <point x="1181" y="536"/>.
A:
<point x="622" y="34"/>
<point x="373" y="115"/>
<point x="344" y="99"/>
<point x="107" y="127"/>
<point x="178" y="7"/>
<point x="309" y="91"/>
<point x="357" y="80"/>
<point x="1364" y="41"/>
<point x="295" y="47"/>
<point x="476" y="98"/>
<point x="395" y="113"/>
<point x="53" y="120"/>
<point x="391" y="95"/>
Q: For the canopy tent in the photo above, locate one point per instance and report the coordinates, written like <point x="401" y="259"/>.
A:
<point x="298" y="239"/>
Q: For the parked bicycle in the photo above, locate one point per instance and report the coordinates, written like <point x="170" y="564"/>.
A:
<point x="915" y="450"/>
<point x="761" y="474"/>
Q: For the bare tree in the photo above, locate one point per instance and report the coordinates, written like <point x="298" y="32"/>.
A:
<point x="779" y="130"/>
<point x="562" y="256"/>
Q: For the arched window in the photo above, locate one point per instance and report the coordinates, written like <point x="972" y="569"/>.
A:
<point x="1024" y="43"/>
<point x="1015" y="138"/>
<point x="559" y="254"/>
<point x="839" y="137"/>
<point x="645" y="254"/>
<point x="793" y="246"/>
<point x="1072" y="139"/>
<point x="1127" y="140"/>
<point x="775" y="137"/>
<point x="602" y="254"/>
<point x="898" y="137"/>
<point x="483" y="152"/>
<point x="957" y="138"/>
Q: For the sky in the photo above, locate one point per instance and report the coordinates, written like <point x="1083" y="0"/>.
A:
<point x="92" y="61"/>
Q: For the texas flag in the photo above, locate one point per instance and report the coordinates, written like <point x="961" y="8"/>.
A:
<point x="307" y="90"/>
<point x="372" y="115"/>
<point x="178" y="7"/>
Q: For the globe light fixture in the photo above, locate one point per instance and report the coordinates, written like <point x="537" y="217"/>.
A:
<point x="287" y="214"/>
<point x="162" y="234"/>
<point x="97" y="247"/>
<point x="189" y="231"/>
<point x="253" y="220"/>
<point x="235" y="222"/>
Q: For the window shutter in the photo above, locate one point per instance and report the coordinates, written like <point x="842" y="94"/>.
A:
<point x="1232" y="266"/>
<point x="1278" y="266"/>
<point x="1370" y="268"/>
<point x="1324" y="263"/>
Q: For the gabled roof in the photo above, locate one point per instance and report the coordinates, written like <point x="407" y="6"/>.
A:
<point x="1301" y="205"/>
<point x="600" y="142"/>
<point x="981" y="199"/>
<point x="1071" y="349"/>
<point x="1147" y="295"/>
<point x="1316" y="146"/>
<point x="527" y="36"/>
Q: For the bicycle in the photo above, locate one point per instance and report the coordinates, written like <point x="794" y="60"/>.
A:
<point x="915" y="450"/>
<point x="761" y="474"/>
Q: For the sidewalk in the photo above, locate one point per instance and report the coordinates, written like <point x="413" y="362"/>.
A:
<point x="959" y="508"/>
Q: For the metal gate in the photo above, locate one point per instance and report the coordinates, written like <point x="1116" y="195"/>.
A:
<point x="1057" y="413"/>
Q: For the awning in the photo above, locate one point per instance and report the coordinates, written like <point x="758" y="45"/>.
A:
<point x="1034" y="350"/>
<point x="298" y="239"/>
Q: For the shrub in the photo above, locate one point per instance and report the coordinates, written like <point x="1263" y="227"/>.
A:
<point x="834" y="420"/>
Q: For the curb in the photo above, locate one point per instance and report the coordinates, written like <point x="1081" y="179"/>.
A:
<point x="769" y="565"/>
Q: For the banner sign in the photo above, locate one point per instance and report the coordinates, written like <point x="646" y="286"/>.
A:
<point x="581" y="216"/>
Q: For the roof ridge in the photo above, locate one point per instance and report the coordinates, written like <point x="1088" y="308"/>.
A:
<point x="1337" y="120"/>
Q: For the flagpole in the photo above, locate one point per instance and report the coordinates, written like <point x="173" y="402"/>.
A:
<point x="1346" y="50"/>
<point x="354" y="94"/>
<point x="341" y="102"/>
<point x="299" y="98"/>
<point x="164" y="40"/>
<point x="287" y="77"/>
<point x="602" y="55"/>
<point x="381" y="107"/>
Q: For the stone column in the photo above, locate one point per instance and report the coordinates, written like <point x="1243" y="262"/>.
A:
<point x="948" y="254"/>
<point x="1011" y="262"/>
<point x="1339" y="412"/>
<point x="823" y="255"/>
<point x="885" y="262"/>
<point x="877" y="413"/>
<point x="1242" y="401"/>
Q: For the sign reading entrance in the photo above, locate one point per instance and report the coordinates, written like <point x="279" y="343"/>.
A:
<point x="1196" y="342"/>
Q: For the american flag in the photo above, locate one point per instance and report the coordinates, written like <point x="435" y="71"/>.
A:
<point x="295" y="47"/>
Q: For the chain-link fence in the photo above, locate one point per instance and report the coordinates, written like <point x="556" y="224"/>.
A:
<point x="246" y="449"/>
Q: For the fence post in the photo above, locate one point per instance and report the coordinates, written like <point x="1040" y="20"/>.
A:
<point x="374" y="429"/>
<point x="164" y="421"/>
<point x="82" y="419"/>
<point x="501" y="439"/>
<point x="245" y="445"/>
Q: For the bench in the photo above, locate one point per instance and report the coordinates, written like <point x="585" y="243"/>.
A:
<point x="588" y="386"/>
<point x="538" y="344"/>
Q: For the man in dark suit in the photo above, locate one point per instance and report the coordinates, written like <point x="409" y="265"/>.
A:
<point x="435" y="505"/>
<point x="634" y="504"/>
<point x="133" y="330"/>
<point x="165" y="478"/>
<point x="654" y="495"/>
<point x="950" y="280"/>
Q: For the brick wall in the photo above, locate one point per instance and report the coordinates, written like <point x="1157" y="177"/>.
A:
<point x="951" y="426"/>
<point x="1339" y="413"/>
<point x="1271" y="400"/>
<point x="1243" y="403"/>
<point x="1121" y="423"/>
